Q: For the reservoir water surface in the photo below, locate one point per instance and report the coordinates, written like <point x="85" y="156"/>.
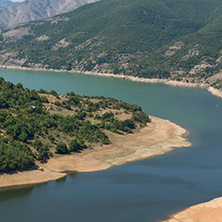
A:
<point x="145" y="191"/>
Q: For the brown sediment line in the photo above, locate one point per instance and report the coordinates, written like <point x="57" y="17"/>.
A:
<point x="119" y="76"/>
<point x="205" y="212"/>
<point x="212" y="90"/>
<point x="29" y="178"/>
<point x="161" y="136"/>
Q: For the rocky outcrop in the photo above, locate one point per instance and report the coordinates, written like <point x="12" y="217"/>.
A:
<point x="215" y="92"/>
<point x="31" y="10"/>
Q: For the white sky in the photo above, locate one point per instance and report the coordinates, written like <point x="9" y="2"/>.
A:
<point x="17" y="0"/>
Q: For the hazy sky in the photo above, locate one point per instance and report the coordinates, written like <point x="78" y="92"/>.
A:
<point x="17" y="0"/>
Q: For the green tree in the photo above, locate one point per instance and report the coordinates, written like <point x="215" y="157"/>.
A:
<point x="37" y="144"/>
<point x="61" y="148"/>
<point x="3" y="103"/>
<point x="74" y="146"/>
<point x="51" y="138"/>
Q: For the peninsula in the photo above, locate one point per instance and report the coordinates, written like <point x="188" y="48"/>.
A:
<point x="44" y="134"/>
<point x="205" y="212"/>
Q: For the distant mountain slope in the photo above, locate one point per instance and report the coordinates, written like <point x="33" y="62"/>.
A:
<point x="173" y="39"/>
<point x="6" y="3"/>
<point x="31" y="10"/>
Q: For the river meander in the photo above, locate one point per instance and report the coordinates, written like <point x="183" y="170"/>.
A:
<point x="144" y="191"/>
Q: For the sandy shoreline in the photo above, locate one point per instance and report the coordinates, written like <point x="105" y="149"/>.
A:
<point x="213" y="91"/>
<point x="205" y="212"/>
<point x="31" y="177"/>
<point x="160" y="137"/>
<point x="202" y="214"/>
<point x="131" y="78"/>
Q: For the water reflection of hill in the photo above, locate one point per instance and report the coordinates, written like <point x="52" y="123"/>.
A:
<point x="6" y="194"/>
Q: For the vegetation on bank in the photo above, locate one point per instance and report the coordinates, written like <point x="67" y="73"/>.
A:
<point x="173" y="39"/>
<point x="38" y="125"/>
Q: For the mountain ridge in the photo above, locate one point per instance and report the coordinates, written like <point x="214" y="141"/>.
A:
<point x="31" y="10"/>
<point x="171" y="39"/>
<point x="6" y="3"/>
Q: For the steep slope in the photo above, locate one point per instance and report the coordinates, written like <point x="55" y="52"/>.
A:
<point x="196" y="57"/>
<point x="31" y="10"/>
<point x="6" y="3"/>
<point x="172" y="39"/>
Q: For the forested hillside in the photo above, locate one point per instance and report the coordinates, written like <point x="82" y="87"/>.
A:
<point x="35" y="126"/>
<point x="172" y="39"/>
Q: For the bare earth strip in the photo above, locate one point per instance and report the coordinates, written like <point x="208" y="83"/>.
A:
<point x="206" y="212"/>
<point x="29" y="178"/>
<point x="161" y="136"/>
<point x="213" y="91"/>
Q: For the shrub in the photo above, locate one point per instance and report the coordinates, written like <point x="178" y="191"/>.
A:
<point x="61" y="148"/>
<point x="74" y="146"/>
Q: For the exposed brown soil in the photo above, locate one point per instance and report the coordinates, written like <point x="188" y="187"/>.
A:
<point x="206" y="212"/>
<point x="161" y="136"/>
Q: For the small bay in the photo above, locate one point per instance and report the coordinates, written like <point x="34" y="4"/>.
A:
<point x="148" y="190"/>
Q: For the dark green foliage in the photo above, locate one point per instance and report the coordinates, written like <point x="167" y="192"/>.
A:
<point x="37" y="144"/>
<point x="69" y="124"/>
<point x="3" y="103"/>
<point x="141" y="117"/>
<point x="3" y="115"/>
<point x="17" y="129"/>
<point x="43" y="91"/>
<point x="73" y="100"/>
<point x="92" y="107"/>
<point x="15" y="156"/>
<point x="51" y="138"/>
<point x="108" y="116"/>
<point x="19" y="98"/>
<point x="24" y="123"/>
<point x="127" y="37"/>
<point x="217" y="84"/>
<point x="43" y="153"/>
<point x="44" y="99"/>
<point x="54" y="93"/>
<point x="80" y="115"/>
<point x="61" y="148"/>
<point x="74" y="146"/>
<point x="125" y="126"/>
<point x="42" y="150"/>
<point x="91" y="133"/>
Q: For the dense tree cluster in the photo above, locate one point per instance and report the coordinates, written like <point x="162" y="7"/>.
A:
<point x="15" y="156"/>
<point x="29" y="132"/>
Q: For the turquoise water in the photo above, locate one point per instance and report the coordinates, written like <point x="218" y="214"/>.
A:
<point x="147" y="190"/>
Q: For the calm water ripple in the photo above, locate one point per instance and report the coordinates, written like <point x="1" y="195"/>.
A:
<point x="143" y="191"/>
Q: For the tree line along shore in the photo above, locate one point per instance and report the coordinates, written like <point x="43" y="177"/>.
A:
<point x="51" y="134"/>
<point x="35" y="126"/>
<point x="214" y="91"/>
